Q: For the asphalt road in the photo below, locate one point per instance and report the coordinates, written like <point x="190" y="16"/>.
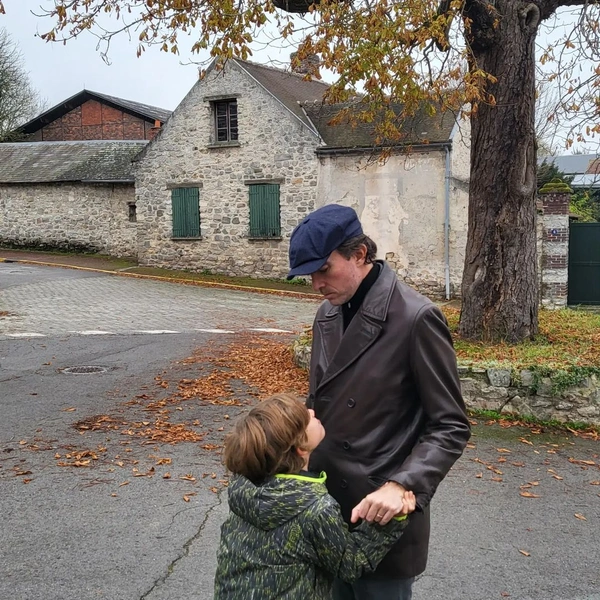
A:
<point x="517" y="517"/>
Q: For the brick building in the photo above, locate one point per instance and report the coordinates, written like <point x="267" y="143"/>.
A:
<point x="92" y="116"/>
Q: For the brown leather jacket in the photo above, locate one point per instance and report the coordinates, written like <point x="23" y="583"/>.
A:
<point x="388" y="394"/>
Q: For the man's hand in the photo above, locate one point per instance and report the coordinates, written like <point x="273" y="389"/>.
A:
<point x="389" y="501"/>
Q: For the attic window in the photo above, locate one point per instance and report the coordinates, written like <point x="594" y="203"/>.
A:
<point x="226" y="121"/>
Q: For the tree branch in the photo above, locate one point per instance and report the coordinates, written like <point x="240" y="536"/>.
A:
<point x="548" y="7"/>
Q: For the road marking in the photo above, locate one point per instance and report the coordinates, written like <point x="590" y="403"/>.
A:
<point x="25" y="335"/>
<point x="146" y="332"/>
<point x="269" y="330"/>
<point x="154" y="331"/>
<point x="93" y="332"/>
<point x="214" y="330"/>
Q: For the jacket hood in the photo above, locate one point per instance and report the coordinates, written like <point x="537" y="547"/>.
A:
<point x="276" y="501"/>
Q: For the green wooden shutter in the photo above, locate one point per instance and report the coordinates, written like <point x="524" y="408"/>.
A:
<point x="265" y="221"/>
<point x="186" y="212"/>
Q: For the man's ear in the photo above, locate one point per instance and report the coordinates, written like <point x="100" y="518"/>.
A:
<point x="361" y="254"/>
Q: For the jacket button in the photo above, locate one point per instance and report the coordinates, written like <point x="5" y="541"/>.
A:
<point x="351" y="402"/>
<point x="346" y="445"/>
<point x="343" y="483"/>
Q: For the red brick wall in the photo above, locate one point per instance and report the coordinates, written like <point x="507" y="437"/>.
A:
<point x="95" y="121"/>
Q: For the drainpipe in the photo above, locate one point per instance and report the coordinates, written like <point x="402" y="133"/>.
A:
<point x="447" y="222"/>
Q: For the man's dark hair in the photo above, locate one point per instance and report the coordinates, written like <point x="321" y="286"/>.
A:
<point x="351" y="246"/>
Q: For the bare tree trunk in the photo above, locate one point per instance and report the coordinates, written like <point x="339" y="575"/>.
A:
<point x="500" y="284"/>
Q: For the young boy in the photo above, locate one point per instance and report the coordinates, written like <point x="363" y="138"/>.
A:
<point x="285" y="538"/>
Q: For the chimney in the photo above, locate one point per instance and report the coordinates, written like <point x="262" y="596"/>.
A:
<point x="306" y="66"/>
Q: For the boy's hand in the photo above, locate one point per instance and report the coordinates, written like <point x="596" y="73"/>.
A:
<point x="389" y="501"/>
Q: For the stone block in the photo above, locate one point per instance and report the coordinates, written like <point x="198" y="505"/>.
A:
<point x="499" y="377"/>
<point x="527" y="378"/>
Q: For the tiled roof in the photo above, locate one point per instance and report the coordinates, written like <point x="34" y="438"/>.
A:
<point x="88" y="161"/>
<point x="144" y="111"/>
<point x="288" y="87"/>
<point x="572" y="164"/>
<point x="418" y="129"/>
<point x="159" y="114"/>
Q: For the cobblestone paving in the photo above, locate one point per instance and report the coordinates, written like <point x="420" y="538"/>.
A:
<point x="52" y="301"/>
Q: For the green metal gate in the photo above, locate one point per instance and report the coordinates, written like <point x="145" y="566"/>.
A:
<point x="584" y="263"/>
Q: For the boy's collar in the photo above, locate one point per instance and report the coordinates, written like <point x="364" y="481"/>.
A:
<point x="304" y="476"/>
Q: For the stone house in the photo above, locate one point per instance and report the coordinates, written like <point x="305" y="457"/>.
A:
<point x="250" y="151"/>
<point x="70" y="185"/>
<point x="231" y="173"/>
<point x="69" y="195"/>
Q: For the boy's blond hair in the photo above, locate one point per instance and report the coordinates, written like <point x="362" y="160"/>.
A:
<point x="265" y="441"/>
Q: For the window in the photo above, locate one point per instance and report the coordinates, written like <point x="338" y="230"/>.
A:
<point x="226" y="121"/>
<point x="186" y="212"/>
<point x="132" y="212"/>
<point x="265" y="219"/>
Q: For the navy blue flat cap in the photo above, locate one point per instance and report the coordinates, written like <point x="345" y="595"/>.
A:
<point x="318" y="235"/>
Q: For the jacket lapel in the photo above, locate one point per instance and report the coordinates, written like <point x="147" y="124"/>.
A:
<point x="341" y="350"/>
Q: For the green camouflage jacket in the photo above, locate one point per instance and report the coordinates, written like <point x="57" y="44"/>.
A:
<point x="286" y="540"/>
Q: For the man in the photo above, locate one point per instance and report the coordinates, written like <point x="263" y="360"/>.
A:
<point x="384" y="383"/>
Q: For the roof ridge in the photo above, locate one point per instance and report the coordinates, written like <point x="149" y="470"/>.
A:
<point x="282" y="71"/>
<point x="103" y="95"/>
<point x="72" y="142"/>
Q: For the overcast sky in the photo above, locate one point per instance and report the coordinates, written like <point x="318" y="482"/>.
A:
<point x="59" y="71"/>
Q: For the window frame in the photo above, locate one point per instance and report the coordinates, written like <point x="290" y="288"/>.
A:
<point x="230" y="137"/>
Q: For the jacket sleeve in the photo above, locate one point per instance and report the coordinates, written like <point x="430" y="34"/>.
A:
<point x="343" y="553"/>
<point x="447" y="430"/>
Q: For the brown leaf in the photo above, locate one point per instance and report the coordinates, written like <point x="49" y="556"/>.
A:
<point x="594" y="482"/>
<point x="26" y="480"/>
<point x="558" y="477"/>
<point x="214" y="490"/>
<point x="124" y="483"/>
<point x="470" y="445"/>
<point x="524" y="553"/>
<point x="580" y="517"/>
<point x="590" y="463"/>
<point x="167" y="476"/>
<point x="188" y="477"/>
<point x="517" y="464"/>
<point x="526" y="494"/>
<point x="503" y="450"/>
<point x="496" y="478"/>
<point x="479" y="475"/>
<point x="70" y="409"/>
<point x="524" y="441"/>
<point x="163" y="461"/>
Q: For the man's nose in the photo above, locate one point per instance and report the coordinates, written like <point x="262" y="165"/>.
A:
<point x="316" y="281"/>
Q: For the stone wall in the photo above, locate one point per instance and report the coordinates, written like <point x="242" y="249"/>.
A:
<point x="528" y="393"/>
<point x="549" y="396"/>
<point x="274" y="146"/>
<point x="401" y="204"/>
<point x="88" y="217"/>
